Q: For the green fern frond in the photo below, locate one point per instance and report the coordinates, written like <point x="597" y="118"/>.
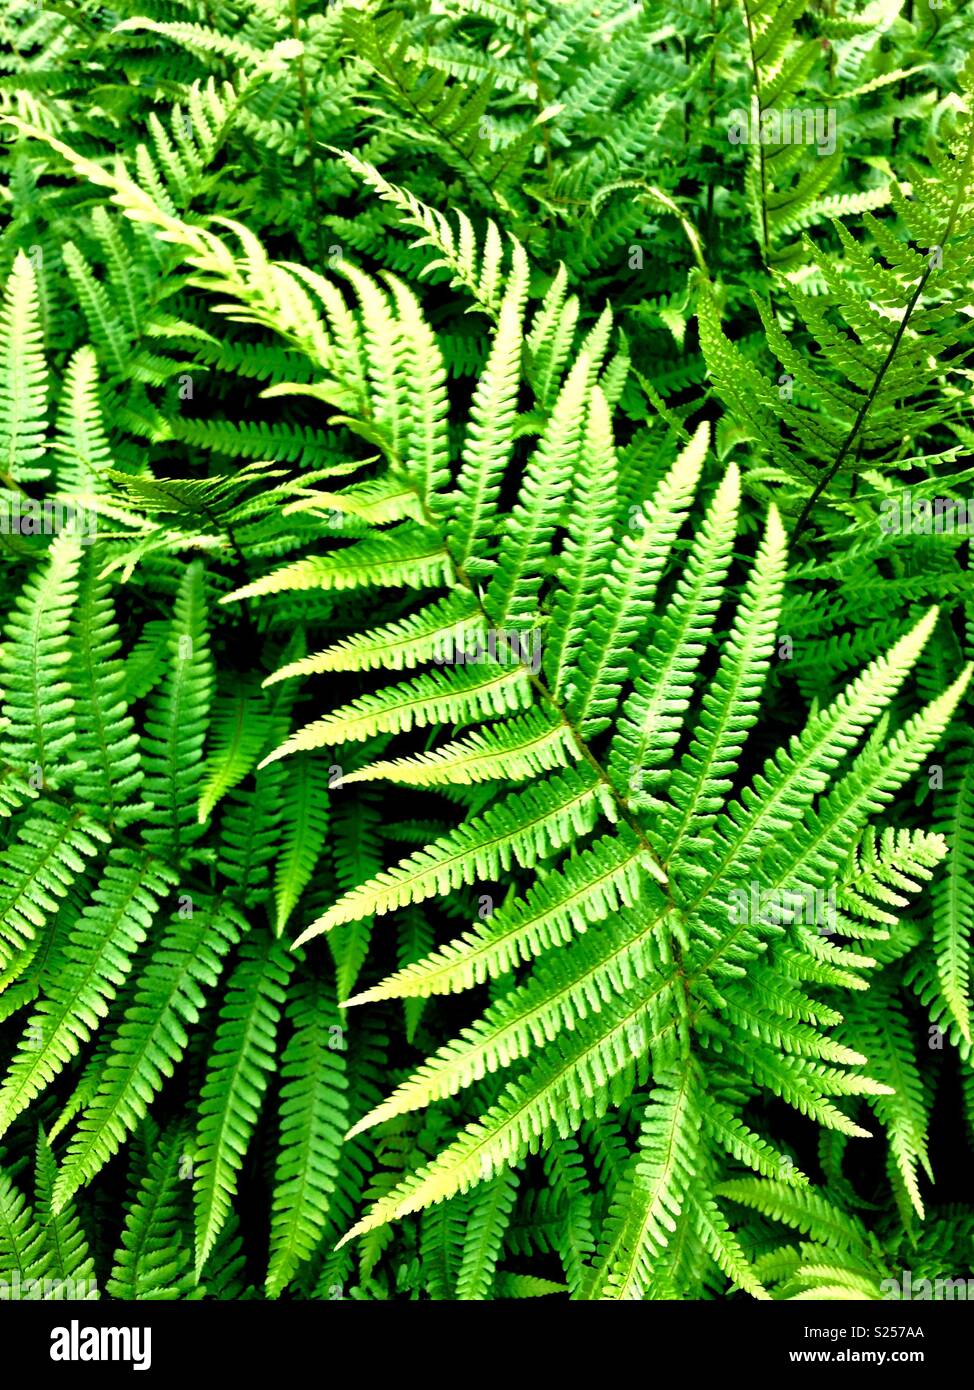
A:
<point x="150" y="1038"/>
<point x="23" y="379"/>
<point x="98" y="957"/>
<point x="244" y="1049"/>
<point x="39" y="722"/>
<point x="176" y="723"/>
<point x="153" y="1258"/>
<point x="313" y="1116"/>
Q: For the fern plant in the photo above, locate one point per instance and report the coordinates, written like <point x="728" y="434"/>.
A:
<point x="483" y="761"/>
<point x="676" y="850"/>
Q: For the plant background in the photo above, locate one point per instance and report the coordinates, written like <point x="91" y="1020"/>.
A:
<point x="596" y="135"/>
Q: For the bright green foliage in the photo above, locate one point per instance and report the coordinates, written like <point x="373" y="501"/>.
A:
<point x="176" y="721"/>
<point x="152" y="1258"/>
<point x="243" y="1052"/>
<point x="23" y="403"/>
<point x="39" y="722"/>
<point x="150" y="1039"/>
<point x="486" y="805"/>
<point x="312" y="1117"/>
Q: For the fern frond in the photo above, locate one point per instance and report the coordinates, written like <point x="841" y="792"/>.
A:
<point x="150" y="1039"/>
<point x="243" y="1053"/>
<point x="23" y="378"/>
<point x="313" y="1116"/>
<point x="98" y="957"/>
<point x="38" y="710"/>
<point x="176" y="723"/>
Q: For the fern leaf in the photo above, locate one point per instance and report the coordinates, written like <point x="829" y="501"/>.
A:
<point x="236" y="1078"/>
<point x="149" y="1040"/>
<point x="313" y="1117"/>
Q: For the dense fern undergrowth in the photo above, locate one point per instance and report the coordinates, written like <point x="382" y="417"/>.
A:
<point x="485" y="758"/>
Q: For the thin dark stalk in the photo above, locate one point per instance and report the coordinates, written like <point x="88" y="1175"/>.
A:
<point x="893" y="347"/>
<point x="762" y="164"/>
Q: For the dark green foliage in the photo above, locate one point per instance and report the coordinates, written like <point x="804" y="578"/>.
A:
<point x="486" y="805"/>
